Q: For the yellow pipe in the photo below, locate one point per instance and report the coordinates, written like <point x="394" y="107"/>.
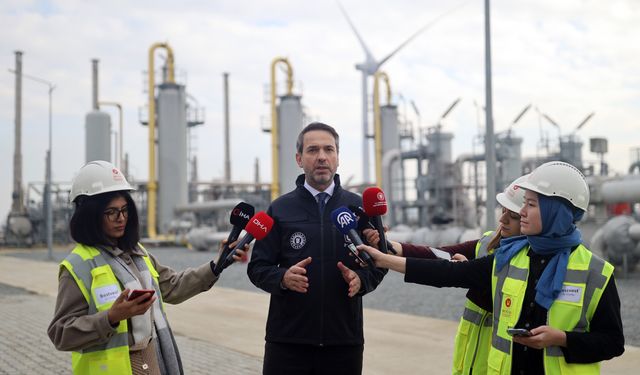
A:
<point x="275" y="144"/>
<point x="377" y="121"/>
<point x="152" y="186"/>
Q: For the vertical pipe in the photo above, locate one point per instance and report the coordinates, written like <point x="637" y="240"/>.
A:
<point x="275" y="131"/>
<point x="256" y="173"/>
<point x="365" y="130"/>
<point x="118" y="155"/>
<point x="49" y="184"/>
<point x="121" y="137"/>
<point x="490" y="147"/>
<point x="17" y="205"/>
<point x="377" y="121"/>
<point x="227" y="144"/>
<point x="94" y="70"/>
<point x="152" y="186"/>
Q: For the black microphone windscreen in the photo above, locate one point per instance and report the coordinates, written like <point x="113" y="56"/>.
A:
<point x="241" y="214"/>
<point x="364" y="221"/>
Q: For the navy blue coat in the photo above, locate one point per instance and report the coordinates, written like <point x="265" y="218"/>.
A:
<point x="325" y="315"/>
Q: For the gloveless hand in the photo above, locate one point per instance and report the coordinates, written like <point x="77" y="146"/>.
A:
<point x="123" y="308"/>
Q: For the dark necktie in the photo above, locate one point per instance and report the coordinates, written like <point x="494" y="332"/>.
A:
<point x="321" y="198"/>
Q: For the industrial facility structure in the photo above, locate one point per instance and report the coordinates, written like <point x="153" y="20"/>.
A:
<point x="433" y="197"/>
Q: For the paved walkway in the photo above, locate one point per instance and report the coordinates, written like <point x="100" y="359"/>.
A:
<point x="29" y="351"/>
<point x="221" y="331"/>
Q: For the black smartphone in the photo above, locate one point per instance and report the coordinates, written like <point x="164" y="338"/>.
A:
<point x="518" y="332"/>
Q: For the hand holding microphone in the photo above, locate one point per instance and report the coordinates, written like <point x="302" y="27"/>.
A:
<point x="258" y="227"/>
<point x="375" y="205"/>
<point x="345" y="221"/>
<point x="239" y="218"/>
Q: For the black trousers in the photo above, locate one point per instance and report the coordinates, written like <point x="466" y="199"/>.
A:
<point x="298" y="359"/>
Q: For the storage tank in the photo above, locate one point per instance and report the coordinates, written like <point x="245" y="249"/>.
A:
<point x="172" y="152"/>
<point x="391" y="141"/>
<point x="290" y="124"/>
<point x="97" y="136"/>
<point x="571" y="150"/>
<point x="441" y="145"/>
<point x="510" y="156"/>
<point x="97" y="125"/>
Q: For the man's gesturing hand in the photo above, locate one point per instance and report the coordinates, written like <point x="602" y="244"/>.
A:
<point x="351" y="278"/>
<point x="295" y="279"/>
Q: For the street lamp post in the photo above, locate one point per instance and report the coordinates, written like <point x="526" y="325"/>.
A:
<point x="47" y="187"/>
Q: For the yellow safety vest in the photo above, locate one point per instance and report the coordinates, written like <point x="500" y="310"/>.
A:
<point x="587" y="276"/>
<point x="98" y="284"/>
<point x="473" y="339"/>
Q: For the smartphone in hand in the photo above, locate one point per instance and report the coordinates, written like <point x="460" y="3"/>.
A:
<point x="519" y="332"/>
<point x="138" y="292"/>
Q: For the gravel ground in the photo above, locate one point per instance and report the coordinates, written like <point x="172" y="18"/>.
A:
<point x="392" y="295"/>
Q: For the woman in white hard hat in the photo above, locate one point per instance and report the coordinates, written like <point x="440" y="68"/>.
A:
<point x="473" y="338"/>
<point x="556" y="308"/>
<point x="109" y="310"/>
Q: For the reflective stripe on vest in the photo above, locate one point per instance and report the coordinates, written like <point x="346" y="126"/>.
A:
<point x="472" y="342"/>
<point x="482" y="247"/>
<point x="586" y="277"/>
<point x="100" y="287"/>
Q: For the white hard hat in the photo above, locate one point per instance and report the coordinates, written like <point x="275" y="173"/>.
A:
<point x="559" y="179"/>
<point x="512" y="198"/>
<point x="97" y="177"/>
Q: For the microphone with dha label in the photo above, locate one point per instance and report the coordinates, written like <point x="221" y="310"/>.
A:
<point x="375" y="205"/>
<point x="239" y="218"/>
<point x="346" y="222"/>
<point x="258" y="227"/>
<point x="364" y="222"/>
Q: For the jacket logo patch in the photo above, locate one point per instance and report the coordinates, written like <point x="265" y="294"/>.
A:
<point x="298" y="240"/>
<point x="505" y="312"/>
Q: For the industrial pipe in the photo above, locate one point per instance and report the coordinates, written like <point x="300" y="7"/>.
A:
<point x="17" y="203"/>
<point x="377" y="121"/>
<point x="152" y="186"/>
<point x="388" y="160"/>
<point x="275" y="144"/>
<point x="626" y="189"/>
<point x="120" y="137"/>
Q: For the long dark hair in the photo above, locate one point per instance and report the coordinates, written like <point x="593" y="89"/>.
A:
<point x="86" y="222"/>
<point x="495" y="241"/>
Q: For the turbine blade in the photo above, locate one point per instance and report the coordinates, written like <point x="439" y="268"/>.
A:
<point x="551" y="120"/>
<point x="422" y="29"/>
<point x="415" y="108"/>
<point x="584" y="121"/>
<point x="446" y="113"/>
<point x="367" y="52"/>
<point x="521" y="114"/>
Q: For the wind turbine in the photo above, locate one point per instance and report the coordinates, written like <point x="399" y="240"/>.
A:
<point x="369" y="67"/>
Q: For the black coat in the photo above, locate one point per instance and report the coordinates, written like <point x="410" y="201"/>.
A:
<point x="324" y="315"/>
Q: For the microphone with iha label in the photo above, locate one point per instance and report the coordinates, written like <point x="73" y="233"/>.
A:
<point x="258" y="227"/>
<point x="239" y="218"/>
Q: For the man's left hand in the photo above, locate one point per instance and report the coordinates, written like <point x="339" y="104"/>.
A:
<point x="351" y="278"/>
<point x="542" y="337"/>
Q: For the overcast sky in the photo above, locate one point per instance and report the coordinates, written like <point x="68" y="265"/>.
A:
<point x="569" y="58"/>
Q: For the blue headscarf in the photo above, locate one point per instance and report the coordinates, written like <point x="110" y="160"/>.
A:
<point x="559" y="235"/>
